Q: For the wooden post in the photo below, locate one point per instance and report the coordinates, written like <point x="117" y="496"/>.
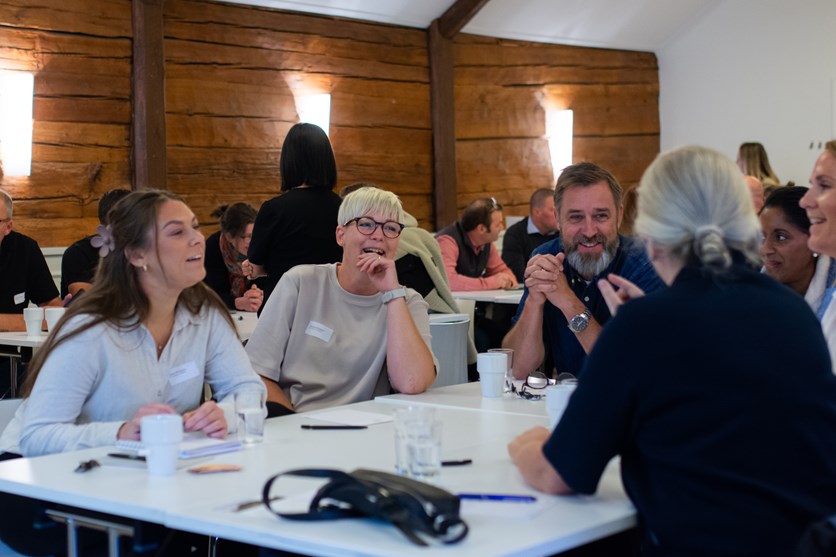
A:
<point x="443" y="105"/>
<point x="148" y="148"/>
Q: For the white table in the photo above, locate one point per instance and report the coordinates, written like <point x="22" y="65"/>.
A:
<point x="201" y="503"/>
<point x="21" y="339"/>
<point x="468" y="396"/>
<point x="494" y="296"/>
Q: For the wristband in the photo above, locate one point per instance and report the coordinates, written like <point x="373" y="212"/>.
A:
<point x="392" y="294"/>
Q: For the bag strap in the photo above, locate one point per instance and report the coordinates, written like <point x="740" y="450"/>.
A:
<point x="329" y="513"/>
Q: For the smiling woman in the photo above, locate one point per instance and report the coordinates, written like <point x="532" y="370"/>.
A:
<point x="341" y="333"/>
<point x="786" y="257"/>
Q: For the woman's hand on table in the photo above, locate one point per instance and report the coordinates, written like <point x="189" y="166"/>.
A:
<point x="208" y="418"/>
<point x="251" y="300"/>
<point x="130" y="429"/>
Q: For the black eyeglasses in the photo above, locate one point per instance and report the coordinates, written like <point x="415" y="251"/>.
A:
<point x="538" y="380"/>
<point x="367" y="226"/>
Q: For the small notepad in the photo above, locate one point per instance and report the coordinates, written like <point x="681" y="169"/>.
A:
<point x="194" y="445"/>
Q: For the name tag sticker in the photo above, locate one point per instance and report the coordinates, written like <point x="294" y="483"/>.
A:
<point x="20" y="298"/>
<point x="183" y="373"/>
<point x="319" y="331"/>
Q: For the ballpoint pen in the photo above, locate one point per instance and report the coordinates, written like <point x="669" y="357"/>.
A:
<point x="500" y="497"/>
<point x="309" y="426"/>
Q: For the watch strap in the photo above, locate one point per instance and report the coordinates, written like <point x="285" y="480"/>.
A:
<point x="390" y="295"/>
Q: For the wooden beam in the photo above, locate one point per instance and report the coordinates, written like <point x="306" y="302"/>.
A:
<point x="457" y="16"/>
<point x="148" y="140"/>
<point x="442" y="108"/>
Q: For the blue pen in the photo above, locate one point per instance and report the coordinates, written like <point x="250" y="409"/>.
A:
<point x="498" y="497"/>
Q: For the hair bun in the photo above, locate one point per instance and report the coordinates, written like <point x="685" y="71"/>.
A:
<point x="710" y="248"/>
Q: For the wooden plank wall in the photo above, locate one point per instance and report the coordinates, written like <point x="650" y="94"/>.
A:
<point x="232" y="75"/>
<point x="80" y="52"/>
<point x="502" y="88"/>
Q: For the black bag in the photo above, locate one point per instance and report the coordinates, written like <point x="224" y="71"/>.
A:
<point x="414" y="507"/>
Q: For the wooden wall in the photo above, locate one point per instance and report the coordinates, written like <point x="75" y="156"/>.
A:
<point x="232" y="73"/>
<point x="502" y="87"/>
<point x="80" y="52"/>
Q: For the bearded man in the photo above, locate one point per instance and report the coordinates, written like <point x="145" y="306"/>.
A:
<point x="562" y="311"/>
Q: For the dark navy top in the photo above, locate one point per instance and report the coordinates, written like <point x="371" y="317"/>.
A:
<point x="24" y="274"/>
<point x="561" y="344"/>
<point x="719" y="396"/>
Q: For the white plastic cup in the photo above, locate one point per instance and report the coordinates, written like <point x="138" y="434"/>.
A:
<point x="492" y="367"/>
<point x="423" y="448"/>
<point x="509" y="373"/>
<point x="161" y="435"/>
<point x="557" y="399"/>
<point x="52" y="317"/>
<point x="34" y="318"/>
<point x="407" y="420"/>
<point x="249" y="407"/>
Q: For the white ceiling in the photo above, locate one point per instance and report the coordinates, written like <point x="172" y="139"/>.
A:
<point x="623" y="24"/>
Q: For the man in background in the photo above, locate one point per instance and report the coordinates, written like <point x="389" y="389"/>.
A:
<point x="78" y="265"/>
<point x="24" y="274"/>
<point x="536" y="229"/>
<point x="562" y="311"/>
<point x="470" y="259"/>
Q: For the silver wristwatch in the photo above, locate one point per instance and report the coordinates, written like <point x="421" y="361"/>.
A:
<point x="392" y="294"/>
<point x="580" y="322"/>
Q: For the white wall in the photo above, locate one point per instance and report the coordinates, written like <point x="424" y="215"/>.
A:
<point x="753" y="70"/>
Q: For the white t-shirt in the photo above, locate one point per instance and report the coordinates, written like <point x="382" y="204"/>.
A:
<point x="323" y="345"/>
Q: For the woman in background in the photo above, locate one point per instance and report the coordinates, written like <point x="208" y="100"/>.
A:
<point x="726" y="446"/>
<point x="752" y="161"/>
<point x="298" y="226"/>
<point x="786" y="257"/>
<point x="820" y="204"/>
<point x="225" y="251"/>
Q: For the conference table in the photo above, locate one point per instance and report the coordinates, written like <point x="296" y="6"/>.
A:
<point x="510" y="296"/>
<point x="203" y="503"/>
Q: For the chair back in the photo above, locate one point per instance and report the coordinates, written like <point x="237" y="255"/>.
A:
<point x="449" y="345"/>
<point x="8" y="407"/>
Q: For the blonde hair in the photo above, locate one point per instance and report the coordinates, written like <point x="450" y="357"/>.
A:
<point x="693" y="202"/>
<point x="368" y="200"/>
<point x="756" y="163"/>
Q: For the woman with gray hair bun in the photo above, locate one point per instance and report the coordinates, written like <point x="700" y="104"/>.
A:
<point x="723" y="415"/>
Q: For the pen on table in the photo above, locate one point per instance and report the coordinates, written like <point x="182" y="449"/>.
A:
<point x="126" y="456"/>
<point x="308" y="426"/>
<point x="498" y="497"/>
<point x="464" y="462"/>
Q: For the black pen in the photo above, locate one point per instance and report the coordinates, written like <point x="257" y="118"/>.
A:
<point x="126" y="456"/>
<point x="464" y="462"/>
<point x="308" y="426"/>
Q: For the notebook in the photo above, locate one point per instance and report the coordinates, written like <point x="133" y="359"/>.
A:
<point x="194" y="445"/>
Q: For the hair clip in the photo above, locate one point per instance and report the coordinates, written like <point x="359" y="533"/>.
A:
<point x="103" y="240"/>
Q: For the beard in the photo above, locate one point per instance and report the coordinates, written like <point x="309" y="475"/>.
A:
<point x="589" y="265"/>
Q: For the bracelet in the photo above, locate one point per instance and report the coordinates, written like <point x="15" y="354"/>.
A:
<point x="392" y="294"/>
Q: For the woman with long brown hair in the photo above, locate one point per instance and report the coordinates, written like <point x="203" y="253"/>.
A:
<point x="142" y="341"/>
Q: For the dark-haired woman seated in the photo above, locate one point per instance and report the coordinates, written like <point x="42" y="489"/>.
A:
<point x="716" y="391"/>
<point x="786" y="257"/>
<point x="226" y="249"/>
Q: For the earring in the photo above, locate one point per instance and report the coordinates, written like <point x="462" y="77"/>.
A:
<point x="145" y="267"/>
<point x="815" y="255"/>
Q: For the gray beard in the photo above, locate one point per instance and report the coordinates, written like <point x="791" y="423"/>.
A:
<point x="588" y="265"/>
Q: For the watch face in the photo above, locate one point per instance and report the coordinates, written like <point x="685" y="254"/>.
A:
<point x="579" y="322"/>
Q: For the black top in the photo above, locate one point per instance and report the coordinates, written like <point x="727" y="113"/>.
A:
<point x="469" y="263"/>
<point x="517" y="245"/>
<point x="719" y="396"/>
<point x="24" y="274"/>
<point x="78" y="264"/>
<point x="295" y="228"/>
